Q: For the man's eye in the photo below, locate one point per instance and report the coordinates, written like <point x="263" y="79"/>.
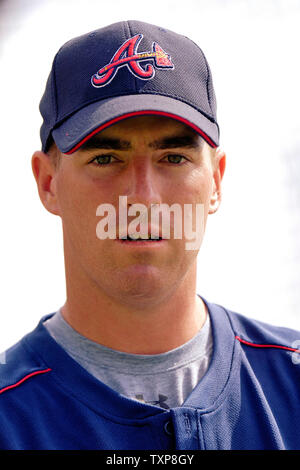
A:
<point x="175" y="158"/>
<point x="102" y="159"/>
<point x="106" y="159"/>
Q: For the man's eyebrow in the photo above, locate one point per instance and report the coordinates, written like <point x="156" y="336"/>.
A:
<point x="109" y="143"/>
<point x="177" y="141"/>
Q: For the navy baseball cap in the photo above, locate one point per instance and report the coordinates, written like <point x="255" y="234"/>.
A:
<point x="126" y="69"/>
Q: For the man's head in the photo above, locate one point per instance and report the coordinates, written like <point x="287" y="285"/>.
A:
<point x="132" y="114"/>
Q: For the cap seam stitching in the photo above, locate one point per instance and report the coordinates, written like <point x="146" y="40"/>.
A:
<point x="130" y="35"/>
<point x="207" y="72"/>
<point x="54" y="89"/>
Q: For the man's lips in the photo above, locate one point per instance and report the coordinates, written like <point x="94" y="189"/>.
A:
<point x="153" y="233"/>
<point x="139" y="241"/>
<point x="138" y="238"/>
<point x="142" y="243"/>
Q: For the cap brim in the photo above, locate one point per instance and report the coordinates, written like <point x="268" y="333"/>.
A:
<point x="71" y="134"/>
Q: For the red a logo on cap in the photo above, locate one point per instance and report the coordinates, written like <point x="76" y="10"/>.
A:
<point x="127" y="55"/>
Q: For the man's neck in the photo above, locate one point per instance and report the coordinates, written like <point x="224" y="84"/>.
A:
<point x="152" y="334"/>
<point x="160" y="323"/>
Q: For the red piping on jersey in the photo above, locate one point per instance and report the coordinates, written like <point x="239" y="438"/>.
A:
<point x="142" y="113"/>
<point x="24" y="378"/>
<point x="266" y="345"/>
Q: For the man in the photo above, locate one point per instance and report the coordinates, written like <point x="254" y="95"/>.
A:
<point x="136" y="359"/>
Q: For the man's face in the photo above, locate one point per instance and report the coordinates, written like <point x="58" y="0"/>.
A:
<point x="150" y="160"/>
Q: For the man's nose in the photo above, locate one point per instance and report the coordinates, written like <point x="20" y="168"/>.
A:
<point x="142" y="184"/>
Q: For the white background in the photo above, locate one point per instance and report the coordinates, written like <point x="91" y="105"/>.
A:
<point x="250" y="259"/>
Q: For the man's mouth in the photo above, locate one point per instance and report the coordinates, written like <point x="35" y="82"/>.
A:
<point x="135" y="239"/>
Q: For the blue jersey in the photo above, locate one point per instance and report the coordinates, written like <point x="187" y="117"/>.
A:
<point x="248" y="399"/>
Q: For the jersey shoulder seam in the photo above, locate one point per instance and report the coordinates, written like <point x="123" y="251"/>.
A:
<point x="259" y="345"/>
<point x="23" y="379"/>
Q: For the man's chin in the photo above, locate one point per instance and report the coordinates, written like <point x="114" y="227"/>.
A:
<point x="142" y="277"/>
<point x="142" y="285"/>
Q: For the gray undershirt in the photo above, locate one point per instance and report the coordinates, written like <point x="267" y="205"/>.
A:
<point x="164" y="380"/>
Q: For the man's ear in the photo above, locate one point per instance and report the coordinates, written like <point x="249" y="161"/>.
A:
<point x="45" y="176"/>
<point x="219" y="169"/>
